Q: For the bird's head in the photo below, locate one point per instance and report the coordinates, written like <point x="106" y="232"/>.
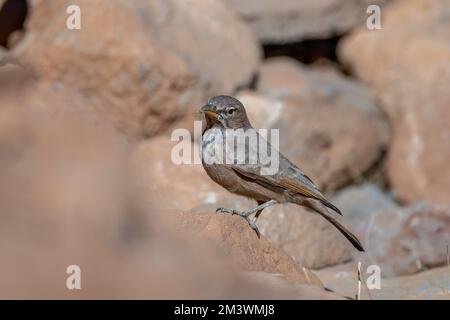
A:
<point x="226" y="112"/>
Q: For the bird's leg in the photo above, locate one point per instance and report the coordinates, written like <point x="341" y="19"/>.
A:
<point x="253" y="222"/>
<point x="246" y="214"/>
<point x="260" y="207"/>
<point x="257" y="215"/>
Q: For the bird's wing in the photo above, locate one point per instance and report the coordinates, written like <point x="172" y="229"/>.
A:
<point x="288" y="177"/>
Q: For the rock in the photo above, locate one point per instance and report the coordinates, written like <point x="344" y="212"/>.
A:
<point x="21" y="90"/>
<point x="404" y="241"/>
<point x="262" y="111"/>
<point x="388" y="74"/>
<point x="332" y="141"/>
<point x="225" y="55"/>
<point x="359" y="203"/>
<point x="407" y="66"/>
<point x="147" y="73"/>
<point x="12" y="16"/>
<point x="417" y="163"/>
<point x="174" y="187"/>
<point x="237" y="241"/>
<point x="428" y="285"/>
<point x="290" y="21"/>
<point x="362" y="200"/>
<point x="307" y="237"/>
<point x="329" y="126"/>
<point x="14" y="78"/>
<point x="282" y="77"/>
<point x="282" y="289"/>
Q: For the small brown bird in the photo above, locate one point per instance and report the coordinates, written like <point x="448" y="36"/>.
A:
<point x="288" y="184"/>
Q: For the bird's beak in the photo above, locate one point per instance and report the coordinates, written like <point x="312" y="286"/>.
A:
<point x="209" y="112"/>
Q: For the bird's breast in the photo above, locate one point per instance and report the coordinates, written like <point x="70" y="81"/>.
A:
<point x="212" y="146"/>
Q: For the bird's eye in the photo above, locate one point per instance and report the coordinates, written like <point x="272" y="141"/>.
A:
<point x="231" y="111"/>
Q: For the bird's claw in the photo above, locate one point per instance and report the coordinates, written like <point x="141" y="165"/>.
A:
<point x="254" y="227"/>
<point x="233" y="212"/>
<point x="244" y="215"/>
<point x="224" y="210"/>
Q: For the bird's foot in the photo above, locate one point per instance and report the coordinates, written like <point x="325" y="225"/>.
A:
<point x="245" y="215"/>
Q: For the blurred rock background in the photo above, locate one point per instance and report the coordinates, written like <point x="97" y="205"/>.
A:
<point x="85" y="152"/>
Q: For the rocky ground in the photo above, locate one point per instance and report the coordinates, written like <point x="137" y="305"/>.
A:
<point x="85" y="147"/>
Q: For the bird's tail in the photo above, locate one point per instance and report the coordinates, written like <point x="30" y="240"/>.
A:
<point x="320" y="208"/>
